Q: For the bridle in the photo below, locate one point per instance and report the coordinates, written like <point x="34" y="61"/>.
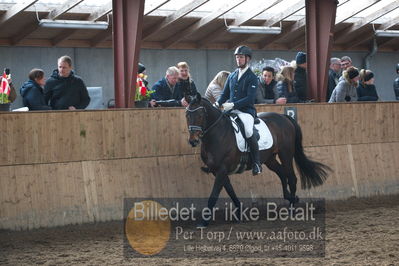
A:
<point x="193" y="128"/>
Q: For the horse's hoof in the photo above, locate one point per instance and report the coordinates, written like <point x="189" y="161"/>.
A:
<point x="294" y="200"/>
<point x="202" y="224"/>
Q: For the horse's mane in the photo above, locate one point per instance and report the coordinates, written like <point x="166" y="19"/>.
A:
<point x="204" y="102"/>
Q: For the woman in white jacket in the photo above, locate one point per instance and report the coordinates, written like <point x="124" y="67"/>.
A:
<point x="345" y="91"/>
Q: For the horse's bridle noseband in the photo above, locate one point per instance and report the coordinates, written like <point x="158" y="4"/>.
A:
<point x="192" y="128"/>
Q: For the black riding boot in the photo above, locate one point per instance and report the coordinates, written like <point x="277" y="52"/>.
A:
<point x="254" y="151"/>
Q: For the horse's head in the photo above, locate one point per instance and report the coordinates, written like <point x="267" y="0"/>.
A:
<point x="196" y="119"/>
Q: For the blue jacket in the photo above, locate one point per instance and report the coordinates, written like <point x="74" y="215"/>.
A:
<point x="282" y="90"/>
<point x="163" y="92"/>
<point x="242" y="92"/>
<point x="33" y="96"/>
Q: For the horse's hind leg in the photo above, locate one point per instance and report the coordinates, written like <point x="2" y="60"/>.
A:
<point x="287" y="165"/>
<point x="276" y="167"/>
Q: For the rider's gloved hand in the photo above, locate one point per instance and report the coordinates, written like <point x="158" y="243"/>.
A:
<point x="216" y="105"/>
<point x="228" y="106"/>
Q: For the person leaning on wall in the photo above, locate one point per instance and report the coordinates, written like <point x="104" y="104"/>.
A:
<point x="166" y="92"/>
<point x="267" y="89"/>
<point x="32" y="91"/>
<point x="345" y="91"/>
<point x="215" y="87"/>
<point x="65" y="90"/>
<point x="285" y="85"/>
<point x="366" y="90"/>
<point x="185" y="82"/>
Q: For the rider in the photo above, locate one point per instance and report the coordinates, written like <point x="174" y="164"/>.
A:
<point x="240" y="90"/>
<point x="396" y="83"/>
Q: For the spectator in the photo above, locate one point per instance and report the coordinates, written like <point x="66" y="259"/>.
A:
<point x="346" y="62"/>
<point x="32" y="91"/>
<point x="166" y="92"/>
<point x="186" y="84"/>
<point x="13" y="94"/>
<point x="366" y="90"/>
<point x="333" y="75"/>
<point x="64" y="89"/>
<point x="267" y="91"/>
<point x="346" y="88"/>
<point x="185" y="80"/>
<point x="141" y="70"/>
<point x="285" y="85"/>
<point x="396" y="83"/>
<point x="301" y="83"/>
<point x="216" y="86"/>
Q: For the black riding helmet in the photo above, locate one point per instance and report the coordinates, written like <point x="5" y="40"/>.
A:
<point x="244" y="50"/>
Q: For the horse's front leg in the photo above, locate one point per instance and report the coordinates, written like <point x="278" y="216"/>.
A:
<point x="220" y="180"/>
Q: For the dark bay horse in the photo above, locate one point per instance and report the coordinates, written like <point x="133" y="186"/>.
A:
<point x="221" y="155"/>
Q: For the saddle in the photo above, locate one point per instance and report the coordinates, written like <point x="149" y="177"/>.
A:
<point x="262" y="134"/>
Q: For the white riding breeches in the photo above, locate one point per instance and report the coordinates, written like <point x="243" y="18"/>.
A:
<point x="248" y="121"/>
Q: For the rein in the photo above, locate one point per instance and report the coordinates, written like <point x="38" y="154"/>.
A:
<point x="199" y="128"/>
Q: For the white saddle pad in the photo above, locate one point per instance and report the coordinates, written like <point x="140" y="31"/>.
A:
<point x="265" y="141"/>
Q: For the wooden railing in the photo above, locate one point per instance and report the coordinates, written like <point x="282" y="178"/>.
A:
<point x="59" y="168"/>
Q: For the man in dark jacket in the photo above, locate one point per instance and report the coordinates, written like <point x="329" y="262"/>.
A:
<point x="240" y="89"/>
<point x="301" y="83"/>
<point x="333" y="76"/>
<point x="32" y="91"/>
<point x="166" y="91"/>
<point x="64" y="89"/>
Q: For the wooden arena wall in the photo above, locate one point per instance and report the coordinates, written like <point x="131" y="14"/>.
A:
<point x="59" y="168"/>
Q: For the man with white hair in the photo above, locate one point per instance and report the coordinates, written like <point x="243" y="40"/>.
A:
<point x="333" y="76"/>
<point x="165" y="90"/>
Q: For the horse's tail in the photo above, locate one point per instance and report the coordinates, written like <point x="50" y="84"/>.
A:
<point x="312" y="173"/>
